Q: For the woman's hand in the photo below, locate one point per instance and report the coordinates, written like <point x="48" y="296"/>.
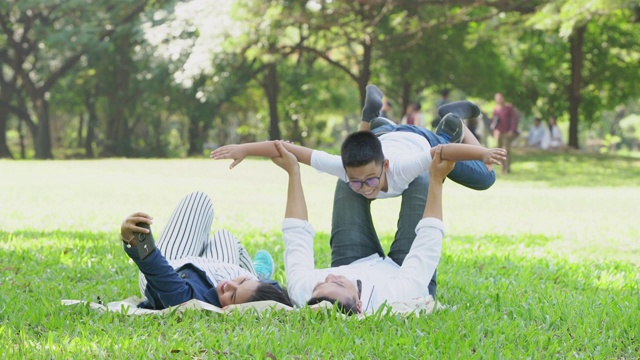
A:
<point x="128" y="227"/>
<point x="286" y="160"/>
<point x="440" y="168"/>
<point x="235" y="152"/>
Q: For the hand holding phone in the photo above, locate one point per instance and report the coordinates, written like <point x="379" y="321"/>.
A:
<point x="146" y="244"/>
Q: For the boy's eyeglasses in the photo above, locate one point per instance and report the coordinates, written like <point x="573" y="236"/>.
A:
<point x="359" y="285"/>
<point x="370" y="182"/>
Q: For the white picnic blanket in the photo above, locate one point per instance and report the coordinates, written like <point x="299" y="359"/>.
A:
<point x="420" y="306"/>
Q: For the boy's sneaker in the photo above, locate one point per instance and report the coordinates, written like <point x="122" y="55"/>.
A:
<point x="263" y="263"/>
<point x="464" y="109"/>
<point x="451" y="127"/>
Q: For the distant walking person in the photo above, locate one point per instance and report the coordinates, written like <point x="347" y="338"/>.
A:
<point x="504" y="126"/>
<point x="385" y="112"/>
<point x="444" y="99"/>
<point x="413" y="115"/>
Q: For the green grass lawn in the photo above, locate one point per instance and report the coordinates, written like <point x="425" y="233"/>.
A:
<point x="544" y="264"/>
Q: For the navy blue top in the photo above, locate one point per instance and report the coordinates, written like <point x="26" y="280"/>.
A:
<point x="167" y="286"/>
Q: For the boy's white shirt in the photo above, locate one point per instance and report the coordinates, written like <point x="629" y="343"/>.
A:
<point x="382" y="279"/>
<point x="409" y="156"/>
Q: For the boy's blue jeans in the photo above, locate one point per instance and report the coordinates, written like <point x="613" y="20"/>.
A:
<point x="472" y="173"/>
<point x="353" y="235"/>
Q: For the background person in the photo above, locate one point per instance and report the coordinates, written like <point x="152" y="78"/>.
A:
<point x="443" y="100"/>
<point x="553" y="136"/>
<point x="536" y="134"/>
<point x="413" y="116"/>
<point x="505" y="127"/>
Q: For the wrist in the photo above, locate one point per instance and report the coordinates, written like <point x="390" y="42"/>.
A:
<point x="131" y="242"/>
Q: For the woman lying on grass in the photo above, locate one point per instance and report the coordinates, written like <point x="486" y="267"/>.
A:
<point x="188" y="265"/>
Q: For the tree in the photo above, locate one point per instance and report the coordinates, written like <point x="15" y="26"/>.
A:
<point x="598" y="59"/>
<point x="47" y="39"/>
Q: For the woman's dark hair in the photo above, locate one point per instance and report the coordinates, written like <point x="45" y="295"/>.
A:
<point x="269" y="291"/>
<point x="348" y="307"/>
<point x="361" y="148"/>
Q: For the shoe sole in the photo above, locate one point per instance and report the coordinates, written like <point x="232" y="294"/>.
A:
<point x="458" y="128"/>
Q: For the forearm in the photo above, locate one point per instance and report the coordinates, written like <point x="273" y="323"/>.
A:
<point x="268" y="149"/>
<point x="296" y="204"/>
<point x="434" y="199"/>
<point x="162" y="277"/>
<point x="461" y="152"/>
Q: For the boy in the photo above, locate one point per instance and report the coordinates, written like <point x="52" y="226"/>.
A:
<point x="407" y="149"/>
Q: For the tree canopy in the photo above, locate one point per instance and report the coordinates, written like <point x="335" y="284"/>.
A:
<point x="161" y="78"/>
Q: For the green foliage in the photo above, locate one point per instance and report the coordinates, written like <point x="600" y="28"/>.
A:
<point x="168" y="84"/>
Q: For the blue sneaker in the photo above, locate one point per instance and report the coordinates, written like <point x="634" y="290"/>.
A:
<point x="263" y="263"/>
<point x="451" y="127"/>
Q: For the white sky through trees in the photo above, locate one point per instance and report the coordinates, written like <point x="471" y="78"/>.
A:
<point x="211" y="18"/>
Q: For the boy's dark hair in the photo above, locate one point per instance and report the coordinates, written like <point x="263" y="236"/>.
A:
<point x="444" y="93"/>
<point x="348" y="307"/>
<point x="269" y="291"/>
<point x="361" y="148"/>
<point x="416" y="105"/>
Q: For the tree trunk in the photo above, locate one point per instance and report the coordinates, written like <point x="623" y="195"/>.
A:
<point x="365" y="70"/>
<point x="23" y="148"/>
<point x="80" y="130"/>
<point x="406" y="97"/>
<point x="271" y="88"/>
<point x="5" y="152"/>
<point x="196" y="140"/>
<point x="90" y="104"/>
<point x="43" y="138"/>
<point x="577" y="60"/>
<point x="117" y="130"/>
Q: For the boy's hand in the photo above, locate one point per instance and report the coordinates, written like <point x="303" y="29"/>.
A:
<point x="129" y="227"/>
<point x="286" y="160"/>
<point x="494" y="156"/>
<point x="440" y="168"/>
<point x="235" y="152"/>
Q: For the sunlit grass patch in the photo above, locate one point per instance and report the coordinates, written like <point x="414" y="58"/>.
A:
<point x="529" y="269"/>
<point x="504" y="300"/>
<point x="574" y="169"/>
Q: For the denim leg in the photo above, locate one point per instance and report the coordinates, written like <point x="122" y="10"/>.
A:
<point x="471" y="173"/>
<point x="353" y="235"/>
<point x="414" y="200"/>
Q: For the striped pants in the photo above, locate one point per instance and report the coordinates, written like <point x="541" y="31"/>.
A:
<point x="187" y="234"/>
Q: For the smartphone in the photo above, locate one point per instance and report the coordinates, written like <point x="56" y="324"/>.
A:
<point x="146" y="244"/>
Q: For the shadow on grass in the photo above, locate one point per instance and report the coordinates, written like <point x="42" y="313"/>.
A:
<point x="572" y="168"/>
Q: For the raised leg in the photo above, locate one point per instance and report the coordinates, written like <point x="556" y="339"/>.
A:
<point x="225" y="247"/>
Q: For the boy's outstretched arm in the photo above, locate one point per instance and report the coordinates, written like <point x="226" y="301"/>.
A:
<point x="461" y="152"/>
<point x="296" y="204"/>
<point x="265" y="148"/>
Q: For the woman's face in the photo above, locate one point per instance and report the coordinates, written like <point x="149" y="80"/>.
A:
<point x="236" y="291"/>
